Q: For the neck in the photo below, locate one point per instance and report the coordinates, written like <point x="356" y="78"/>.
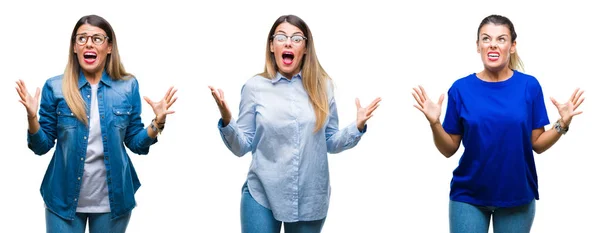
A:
<point x="495" y="76"/>
<point x="93" y="77"/>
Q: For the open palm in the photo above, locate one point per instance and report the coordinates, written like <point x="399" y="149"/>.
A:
<point x="431" y="110"/>
<point x="567" y="110"/>
<point x="161" y="107"/>
<point x="31" y="103"/>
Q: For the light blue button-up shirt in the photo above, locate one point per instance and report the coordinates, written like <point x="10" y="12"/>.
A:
<point x="289" y="173"/>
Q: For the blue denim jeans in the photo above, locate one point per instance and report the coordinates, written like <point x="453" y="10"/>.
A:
<point x="99" y="223"/>
<point x="467" y="218"/>
<point x="258" y="219"/>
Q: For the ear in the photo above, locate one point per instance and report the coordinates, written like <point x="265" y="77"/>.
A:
<point x="110" y="46"/>
<point x="477" y="44"/>
<point x="271" y="46"/>
<point x="513" y="48"/>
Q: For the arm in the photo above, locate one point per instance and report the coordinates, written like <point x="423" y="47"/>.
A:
<point x="41" y="136"/>
<point x="138" y="139"/>
<point x="542" y="140"/>
<point x="340" y="140"/>
<point x="238" y="135"/>
<point x="446" y="143"/>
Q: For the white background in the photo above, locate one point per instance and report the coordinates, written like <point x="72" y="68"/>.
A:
<point x="393" y="181"/>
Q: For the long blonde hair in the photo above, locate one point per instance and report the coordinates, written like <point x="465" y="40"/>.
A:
<point x="314" y="78"/>
<point x="113" y="66"/>
<point x="515" y="62"/>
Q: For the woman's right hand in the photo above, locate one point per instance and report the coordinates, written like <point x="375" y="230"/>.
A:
<point x="222" y="104"/>
<point x="31" y="103"/>
<point x="431" y="110"/>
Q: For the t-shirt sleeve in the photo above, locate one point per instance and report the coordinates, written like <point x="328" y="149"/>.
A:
<point x="452" y="123"/>
<point x="539" y="114"/>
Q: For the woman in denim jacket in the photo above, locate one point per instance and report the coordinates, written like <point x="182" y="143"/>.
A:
<point x="90" y="112"/>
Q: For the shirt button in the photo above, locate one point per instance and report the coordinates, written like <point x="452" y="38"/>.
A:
<point x="78" y="178"/>
<point x="81" y="158"/>
<point x="88" y="117"/>
<point x="84" y="137"/>
<point x="118" y="112"/>
<point x="75" y="199"/>
<point x="71" y="114"/>
<point x="88" y="96"/>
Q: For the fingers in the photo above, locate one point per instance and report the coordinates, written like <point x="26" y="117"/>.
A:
<point x="37" y="93"/>
<point x="420" y="108"/>
<point x="357" y="102"/>
<point x="578" y="103"/>
<point x="375" y="102"/>
<point x="170" y="93"/>
<point x="370" y="110"/>
<point x="441" y="100"/>
<point x="221" y="94"/>
<point x="423" y="92"/>
<point x="418" y="99"/>
<point x="148" y="100"/>
<point x="574" y="94"/>
<point x="577" y="113"/>
<point x="171" y="103"/>
<point x="554" y="102"/>
<point x="419" y="94"/>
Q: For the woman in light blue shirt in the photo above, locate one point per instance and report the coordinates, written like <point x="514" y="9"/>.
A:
<point x="91" y="111"/>
<point x="288" y="119"/>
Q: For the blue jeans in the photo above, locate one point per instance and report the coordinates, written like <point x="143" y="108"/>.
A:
<point x="258" y="219"/>
<point x="99" y="223"/>
<point x="467" y="218"/>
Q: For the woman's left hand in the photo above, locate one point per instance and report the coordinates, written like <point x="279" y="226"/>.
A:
<point x="161" y="107"/>
<point x="567" y="110"/>
<point x="364" y="114"/>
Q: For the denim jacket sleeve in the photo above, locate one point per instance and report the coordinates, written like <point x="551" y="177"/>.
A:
<point x="43" y="140"/>
<point x="239" y="135"/>
<point x="136" y="136"/>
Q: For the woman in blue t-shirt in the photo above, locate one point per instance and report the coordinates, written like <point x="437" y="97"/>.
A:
<point x="499" y="114"/>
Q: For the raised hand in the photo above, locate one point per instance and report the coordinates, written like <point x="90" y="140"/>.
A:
<point x="161" y="107"/>
<point x="567" y="110"/>
<point x="431" y="110"/>
<point x="31" y="103"/>
<point x="364" y="114"/>
<point x="219" y="97"/>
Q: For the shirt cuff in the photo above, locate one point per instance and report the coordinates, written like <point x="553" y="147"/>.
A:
<point x="355" y="132"/>
<point x="229" y="129"/>
<point x="34" y="138"/>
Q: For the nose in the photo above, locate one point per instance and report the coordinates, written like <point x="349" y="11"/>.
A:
<point x="89" y="43"/>
<point x="288" y="42"/>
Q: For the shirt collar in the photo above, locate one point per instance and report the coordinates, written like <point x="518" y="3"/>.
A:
<point x="104" y="79"/>
<point x="279" y="76"/>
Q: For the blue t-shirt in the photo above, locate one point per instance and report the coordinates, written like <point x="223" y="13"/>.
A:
<point x="495" y="120"/>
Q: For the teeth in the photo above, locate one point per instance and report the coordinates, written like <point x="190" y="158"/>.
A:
<point x="493" y="55"/>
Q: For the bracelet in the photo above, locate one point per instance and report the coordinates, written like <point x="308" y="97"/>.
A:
<point x="160" y="125"/>
<point x="158" y="130"/>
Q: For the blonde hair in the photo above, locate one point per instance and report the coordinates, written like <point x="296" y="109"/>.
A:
<point x="515" y="62"/>
<point x="314" y="78"/>
<point x="113" y="66"/>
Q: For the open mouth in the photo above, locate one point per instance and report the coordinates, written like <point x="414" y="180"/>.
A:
<point x="493" y="56"/>
<point x="89" y="57"/>
<point x="288" y="58"/>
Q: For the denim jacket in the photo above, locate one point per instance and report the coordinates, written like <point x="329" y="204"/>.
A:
<point x="119" y="105"/>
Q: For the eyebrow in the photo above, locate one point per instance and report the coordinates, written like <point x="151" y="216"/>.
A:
<point x="295" y="33"/>
<point x="485" y="34"/>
